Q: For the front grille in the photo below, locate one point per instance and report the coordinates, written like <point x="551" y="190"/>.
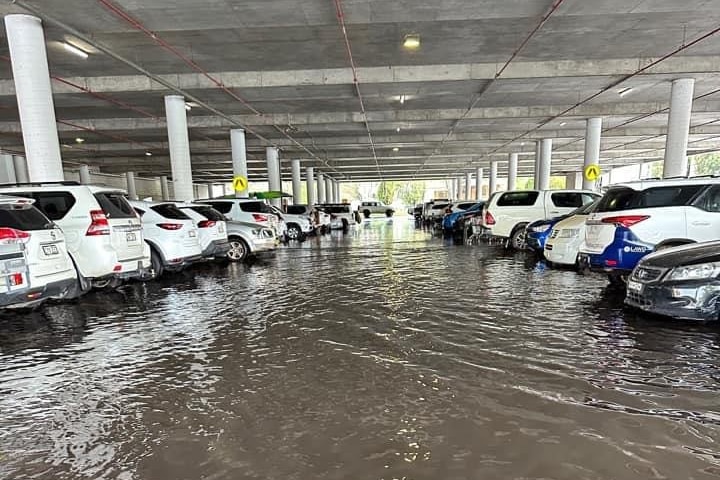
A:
<point x="647" y="274"/>
<point x="639" y="299"/>
<point x="554" y="233"/>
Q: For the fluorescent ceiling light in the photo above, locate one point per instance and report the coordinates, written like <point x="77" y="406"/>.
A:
<point x="149" y="154"/>
<point x="188" y="107"/>
<point x="402" y="99"/>
<point x="624" y="91"/>
<point x="75" y="50"/>
<point x="396" y="149"/>
<point x="411" y="41"/>
<point x="79" y="140"/>
<point x="397" y="129"/>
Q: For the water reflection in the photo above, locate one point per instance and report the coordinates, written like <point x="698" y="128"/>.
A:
<point x="381" y="353"/>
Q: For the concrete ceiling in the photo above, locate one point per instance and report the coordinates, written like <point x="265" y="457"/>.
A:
<point x="490" y="77"/>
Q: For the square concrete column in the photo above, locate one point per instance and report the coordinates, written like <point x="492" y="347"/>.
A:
<point x="545" y="164"/>
<point x="273" y="171"/>
<point x="336" y="189"/>
<point x="21" y="169"/>
<point x="7" y="169"/>
<point x="681" y="100"/>
<point x="593" y="132"/>
<point x="310" y="180"/>
<point x="321" y="188"/>
<point x="203" y="190"/>
<point x="85" y="175"/>
<point x="538" y="161"/>
<point x="179" y="146"/>
<point x="164" y="188"/>
<point x="493" y="176"/>
<point x="131" y="187"/>
<point x="26" y="42"/>
<point x="239" y="157"/>
<point x="478" y="183"/>
<point x="512" y="171"/>
<point x="296" y="182"/>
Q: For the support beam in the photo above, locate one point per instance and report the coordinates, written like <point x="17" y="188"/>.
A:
<point x="179" y="146"/>
<point x="21" y="169"/>
<point x="310" y="180"/>
<point x="593" y="132"/>
<point x="7" y="169"/>
<point x="239" y="157"/>
<point x="512" y="171"/>
<point x="478" y="183"/>
<point x="681" y="102"/>
<point x="131" y="188"/>
<point x="296" y="182"/>
<point x="273" y="172"/>
<point x="493" y="176"/>
<point x="545" y="164"/>
<point x="164" y="187"/>
<point x="321" y="188"/>
<point x="336" y="190"/>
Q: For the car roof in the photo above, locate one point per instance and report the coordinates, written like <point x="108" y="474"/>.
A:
<point x="143" y="203"/>
<point x="13" y="200"/>
<point x="669" y="182"/>
<point x="61" y="186"/>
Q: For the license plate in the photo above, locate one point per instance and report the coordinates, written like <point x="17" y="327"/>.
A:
<point x="634" y="286"/>
<point x="50" y="249"/>
<point x="131" y="237"/>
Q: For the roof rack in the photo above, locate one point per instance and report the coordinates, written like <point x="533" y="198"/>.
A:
<point x="39" y="184"/>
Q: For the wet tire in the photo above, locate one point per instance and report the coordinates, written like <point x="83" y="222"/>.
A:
<point x="389" y="213"/>
<point x="517" y="238"/>
<point x="366" y="213"/>
<point x="239" y="250"/>
<point x="346" y="226"/>
<point x="617" y="280"/>
<point x="294" y="232"/>
<point x="156" y="264"/>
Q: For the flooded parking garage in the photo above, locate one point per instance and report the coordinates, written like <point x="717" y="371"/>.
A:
<point x="378" y="354"/>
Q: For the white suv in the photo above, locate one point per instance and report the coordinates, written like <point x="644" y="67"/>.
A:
<point x="298" y="226"/>
<point x="248" y="210"/>
<point x="212" y="229"/>
<point x="172" y="236"/>
<point x="14" y="272"/>
<point x="51" y="272"/>
<point x="635" y="219"/>
<point x="103" y="234"/>
<point x="506" y="214"/>
<point x="320" y="219"/>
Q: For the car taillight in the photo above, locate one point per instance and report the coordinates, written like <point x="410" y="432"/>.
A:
<point x="98" y="224"/>
<point x="489" y="219"/>
<point x="11" y="235"/>
<point x="170" y="226"/>
<point x="16" y="279"/>
<point x="260" y="218"/>
<point x="206" y="223"/>
<point x="625" y="220"/>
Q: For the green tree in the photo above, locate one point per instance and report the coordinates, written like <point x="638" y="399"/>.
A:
<point x="412" y="193"/>
<point x="705" y="164"/>
<point x="557" y="183"/>
<point x="525" y="183"/>
<point x="387" y="191"/>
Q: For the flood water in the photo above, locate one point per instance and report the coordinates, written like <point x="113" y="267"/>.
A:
<point x="379" y="354"/>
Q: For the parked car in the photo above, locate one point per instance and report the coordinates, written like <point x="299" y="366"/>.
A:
<point x="103" y="234"/>
<point x="212" y="229"/>
<point x="436" y="213"/>
<point x="51" y="273"/>
<point x="368" y="208"/>
<point x="417" y="212"/>
<point x="427" y="208"/>
<point x="341" y="215"/>
<point x="507" y="214"/>
<point x="452" y="223"/>
<point x="320" y="220"/>
<point x="562" y="246"/>
<point x="14" y="270"/>
<point x="171" y="234"/>
<point x="249" y="240"/>
<point x="538" y="233"/>
<point x="680" y="282"/>
<point x="248" y="210"/>
<point x="637" y="218"/>
<point x="298" y="227"/>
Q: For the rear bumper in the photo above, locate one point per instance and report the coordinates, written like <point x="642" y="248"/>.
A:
<point x="216" y="249"/>
<point x="184" y="262"/>
<point x="133" y="269"/>
<point x="561" y="252"/>
<point x="260" y="245"/>
<point x="685" y="301"/>
<point x="22" y="298"/>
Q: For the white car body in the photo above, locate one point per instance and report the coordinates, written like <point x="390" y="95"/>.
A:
<point x="375" y="207"/>
<point x="341" y="215"/>
<point x="171" y="234"/>
<point x="248" y="210"/>
<point x="103" y="235"/>
<point x="14" y="271"/>
<point x="563" y="244"/>
<point x="320" y="220"/>
<point x="507" y="212"/>
<point x="295" y="226"/>
<point x="212" y="231"/>
<point x="250" y="239"/>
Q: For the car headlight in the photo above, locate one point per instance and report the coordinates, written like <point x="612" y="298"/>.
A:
<point x="569" y="233"/>
<point x="540" y="228"/>
<point x="695" y="272"/>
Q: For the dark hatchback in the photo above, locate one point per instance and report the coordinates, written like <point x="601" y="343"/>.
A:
<point x="680" y="282"/>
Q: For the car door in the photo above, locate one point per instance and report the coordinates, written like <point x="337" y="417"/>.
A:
<point x="703" y="217"/>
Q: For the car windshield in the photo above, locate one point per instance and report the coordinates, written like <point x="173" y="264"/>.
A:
<point x="24" y="218"/>
<point x="623" y="198"/>
<point x="209" y="213"/>
<point x="168" y="210"/>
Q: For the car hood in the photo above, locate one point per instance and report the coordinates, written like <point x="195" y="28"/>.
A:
<point x="548" y="221"/>
<point x="572" y="221"/>
<point x="684" y="255"/>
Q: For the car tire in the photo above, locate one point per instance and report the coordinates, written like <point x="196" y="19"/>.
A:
<point x="616" y="280"/>
<point x="294" y="232"/>
<point x="346" y="225"/>
<point x="239" y="250"/>
<point x="517" y="238"/>
<point x="156" y="264"/>
<point x="389" y="213"/>
<point x="366" y="213"/>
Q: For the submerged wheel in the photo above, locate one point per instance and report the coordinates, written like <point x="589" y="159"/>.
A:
<point x="366" y="213"/>
<point x="156" y="264"/>
<point x="294" y="232"/>
<point x="389" y="213"/>
<point x="238" y="250"/>
<point x="518" y="238"/>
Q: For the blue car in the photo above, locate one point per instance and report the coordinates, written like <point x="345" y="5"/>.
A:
<point x="537" y="233"/>
<point x="453" y="221"/>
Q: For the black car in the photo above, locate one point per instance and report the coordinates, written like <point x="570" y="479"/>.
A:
<point x="680" y="282"/>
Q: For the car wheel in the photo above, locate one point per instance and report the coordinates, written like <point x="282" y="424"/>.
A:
<point x="294" y="232"/>
<point x="366" y="213"/>
<point x="518" y="237"/>
<point x="389" y="213"/>
<point x="346" y="226"/>
<point x="156" y="264"/>
<point x="617" y="280"/>
<point x="238" y="250"/>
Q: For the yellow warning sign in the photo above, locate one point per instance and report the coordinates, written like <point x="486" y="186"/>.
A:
<point x="592" y="172"/>
<point x="240" y="183"/>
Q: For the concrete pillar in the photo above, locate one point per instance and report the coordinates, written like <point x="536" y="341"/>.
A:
<point x="321" y="188"/>
<point x="296" y="182"/>
<point x="179" y="146"/>
<point x="478" y="183"/>
<point x="273" y="170"/>
<point x="538" y="161"/>
<point x="203" y="191"/>
<point x="239" y="156"/>
<point x="131" y="188"/>
<point x="26" y="42"/>
<point x="545" y="164"/>
<point x="493" y="176"/>
<point x="21" y="169"/>
<point x="85" y="175"/>
<point x="310" y="180"/>
<point x="512" y="171"/>
<point x="329" y="190"/>
<point x="681" y="99"/>
<point x="574" y="180"/>
<point x="336" y="189"/>
<point x="593" y="132"/>
<point x="7" y="169"/>
<point x="468" y="185"/>
<point x="164" y="188"/>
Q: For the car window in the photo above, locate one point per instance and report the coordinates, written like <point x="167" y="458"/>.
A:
<point x="295" y="209"/>
<point x="139" y="211"/>
<point x="27" y="218"/>
<point x="626" y="198"/>
<point x="222" y="207"/>
<point x="710" y="201"/>
<point x="518" y="199"/>
<point x="465" y="206"/>
<point x="439" y="206"/>
<point x="168" y="210"/>
<point x="209" y="213"/>
<point x="115" y="205"/>
<point x="55" y="205"/>
<point x="567" y="199"/>
<point x="255" y="207"/>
